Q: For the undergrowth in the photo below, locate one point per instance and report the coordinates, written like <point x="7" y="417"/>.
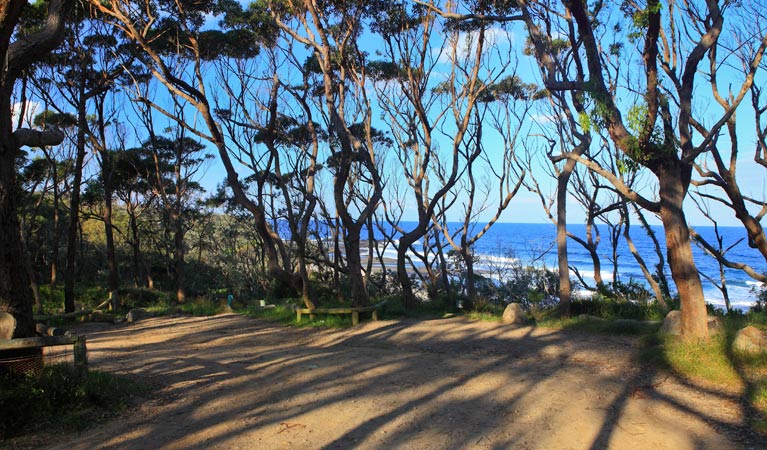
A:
<point x="57" y="399"/>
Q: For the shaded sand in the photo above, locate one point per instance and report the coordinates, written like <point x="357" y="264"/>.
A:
<point x="229" y="382"/>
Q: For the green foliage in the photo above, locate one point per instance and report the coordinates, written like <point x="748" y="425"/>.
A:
<point x="593" y="324"/>
<point x="584" y="121"/>
<point x="57" y="398"/>
<point x="612" y="308"/>
<point x="141" y="297"/>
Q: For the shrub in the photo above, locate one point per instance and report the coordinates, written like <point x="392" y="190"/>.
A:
<point x="141" y="297"/>
<point x="58" y="398"/>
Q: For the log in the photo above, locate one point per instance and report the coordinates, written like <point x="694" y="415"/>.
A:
<point x="72" y="315"/>
<point x="42" y="341"/>
<point x="45" y="330"/>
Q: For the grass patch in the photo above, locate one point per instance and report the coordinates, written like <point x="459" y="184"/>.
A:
<point x="56" y="399"/>
<point x="484" y="316"/>
<point x="285" y="314"/>
<point x="199" y="307"/>
<point x="714" y="363"/>
<point x="598" y="325"/>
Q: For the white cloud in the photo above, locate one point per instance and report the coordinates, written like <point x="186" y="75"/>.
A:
<point x="32" y="109"/>
<point x="466" y="42"/>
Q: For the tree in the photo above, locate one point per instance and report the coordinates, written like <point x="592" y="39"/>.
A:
<point x="18" y="54"/>
<point x="656" y="131"/>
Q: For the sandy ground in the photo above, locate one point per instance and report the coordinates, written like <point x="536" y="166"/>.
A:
<point x="229" y="382"/>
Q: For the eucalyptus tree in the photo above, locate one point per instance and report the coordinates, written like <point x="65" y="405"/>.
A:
<point x="331" y="31"/>
<point x="176" y="164"/>
<point x="489" y="178"/>
<point x="133" y="191"/>
<point x="269" y="119"/>
<point x="718" y="181"/>
<point x="653" y="122"/>
<point x="174" y="48"/>
<point x="19" y="53"/>
<point x="417" y="102"/>
<point x="60" y="168"/>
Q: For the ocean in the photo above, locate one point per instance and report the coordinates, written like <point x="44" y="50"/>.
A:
<point x="534" y="244"/>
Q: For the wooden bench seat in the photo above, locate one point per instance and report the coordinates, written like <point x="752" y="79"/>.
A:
<point x="354" y="311"/>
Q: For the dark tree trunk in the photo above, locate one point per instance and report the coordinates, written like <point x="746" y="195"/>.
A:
<point x="15" y="292"/>
<point x="74" y="205"/>
<point x="359" y="292"/>
<point x="113" y="280"/>
<point x="135" y="243"/>
<point x="407" y="239"/>
<point x="55" y="228"/>
<point x="178" y="259"/>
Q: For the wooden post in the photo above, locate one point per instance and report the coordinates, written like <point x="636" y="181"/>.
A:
<point x="81" y="356"/>
<point x="375" y="314"/>
<point x="355" y="318"/>
<point x="298" y="315"/>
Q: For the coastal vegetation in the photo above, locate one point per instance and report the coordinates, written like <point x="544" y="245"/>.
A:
<point x="177" y="156"/>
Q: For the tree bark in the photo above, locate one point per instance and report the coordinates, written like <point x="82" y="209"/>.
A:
<point x="178" y="259"/>
<point x="565" y="289"/>
<point x="113" y="280"/>
<point x="74" y="204"/>
<point x="359" y="292"/>
<point x="683" y="270"/>
<point x="15" y="291"/>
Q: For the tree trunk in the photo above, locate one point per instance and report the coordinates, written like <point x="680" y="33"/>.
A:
<point x="136" y="249"/>
<point x="359" y="292"/>
<point x="565" y="290"/>
<point x="74" y="205"/>
<point x="405" y="241"/>
<point x="15" y="292"/>
<point x="683" y="270"/>
<point x="113" y="280"/>
<point x="178" y="259"/>
<point x="55" y="227"/>
<point x="471" y="286"/>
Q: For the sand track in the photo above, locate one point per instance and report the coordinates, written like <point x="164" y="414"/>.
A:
<point x="231" y="382"/>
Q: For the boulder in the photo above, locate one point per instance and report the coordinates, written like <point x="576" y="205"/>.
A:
<point x="136" y="314"/>
<point x="7" y="325"/>
<point x="750" y="340"/>
<point x="514" y="314"/>
<point x="715" y="325"/>
<point x="672" y="324"/>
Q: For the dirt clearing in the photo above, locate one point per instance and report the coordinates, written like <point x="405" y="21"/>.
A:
<point x="231" y="382"/>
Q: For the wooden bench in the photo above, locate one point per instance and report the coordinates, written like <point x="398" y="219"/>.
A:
<point x="354" y="311"/>
<point x="51" y="337"/>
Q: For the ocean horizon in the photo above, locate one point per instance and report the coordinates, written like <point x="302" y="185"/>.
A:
<point x="534" y="244"/>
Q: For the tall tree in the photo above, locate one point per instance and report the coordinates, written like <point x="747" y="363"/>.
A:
<point x="653" y="132"/>
<point x="18" y="53"/>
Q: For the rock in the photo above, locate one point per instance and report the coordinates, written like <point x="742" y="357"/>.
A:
<point x="715" y="325"/>
<point x="7" y="325"/>
<point x="672" y="324"/>
<point x="750" y="340"/>
<point x="514" y="313"/>
<point x="136" y="314"/>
